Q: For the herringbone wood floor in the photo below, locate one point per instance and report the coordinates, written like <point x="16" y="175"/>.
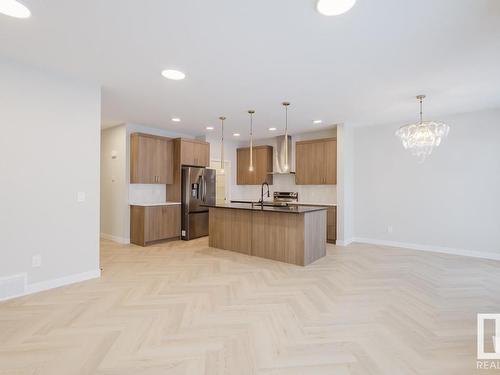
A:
<point x="183" y="308"/>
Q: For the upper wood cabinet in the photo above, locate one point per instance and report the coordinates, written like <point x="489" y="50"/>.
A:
<point x="151" y="159"/>
<point x="262" y="163"/>
<point x="316" y="162"/>
<point x="195" y="153"/>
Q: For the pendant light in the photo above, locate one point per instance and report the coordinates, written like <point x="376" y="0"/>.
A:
<point x="421" y="138"/>
<point x="222" y="118"/>
<point x="251" y="112"/>
<point x="286" y="166"/>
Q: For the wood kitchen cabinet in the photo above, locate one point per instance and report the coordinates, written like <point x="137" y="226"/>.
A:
<point x="331" y="225"/>
<point x="262" y="163"/>
<point x="149" y="224"/>
<point x="316" y="162"/>
<point x="195" y="153"/>
<point x="331" y="221"/>
<point x="151" y="159"/>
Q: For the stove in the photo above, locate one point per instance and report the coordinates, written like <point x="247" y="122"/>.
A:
<point x="282" y="198"/>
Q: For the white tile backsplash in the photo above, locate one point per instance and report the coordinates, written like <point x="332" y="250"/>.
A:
<point x="141" y="193"/>
<point x="322" y="194"/>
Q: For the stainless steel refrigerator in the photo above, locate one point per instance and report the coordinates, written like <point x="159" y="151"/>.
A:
<point x="198" y="188"/>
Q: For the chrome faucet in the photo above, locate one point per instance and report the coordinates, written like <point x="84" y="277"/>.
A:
<point x="262" y="193"/>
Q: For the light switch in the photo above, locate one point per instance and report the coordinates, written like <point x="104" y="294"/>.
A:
<point x="36" y="261"/>
<point x="81" y="196"/>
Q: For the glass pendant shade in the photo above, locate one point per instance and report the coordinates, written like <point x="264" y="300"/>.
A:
<point x="222" y="118"/>
<point x="422" y="138"/>
<point x="250" y="167"/>
<point x="286" y="167"/>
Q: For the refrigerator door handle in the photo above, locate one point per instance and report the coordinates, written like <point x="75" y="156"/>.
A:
<point x="204" y="190"/>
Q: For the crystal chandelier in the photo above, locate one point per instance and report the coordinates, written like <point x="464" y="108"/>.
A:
<point x="420" y="139"/>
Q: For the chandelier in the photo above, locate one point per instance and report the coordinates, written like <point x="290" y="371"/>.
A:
<point x="421" y="139"/>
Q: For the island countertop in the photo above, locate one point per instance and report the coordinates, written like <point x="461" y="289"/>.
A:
<point x="286" y="209"/>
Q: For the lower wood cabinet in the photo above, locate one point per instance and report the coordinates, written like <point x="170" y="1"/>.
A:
<point x="149" y="224"/>
<point x="331" y="225"/>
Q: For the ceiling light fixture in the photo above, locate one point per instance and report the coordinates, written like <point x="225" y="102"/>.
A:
<point x="317" y="121"/>
<point x="286" y="166"/>
<point x="334" y="7"/>
<point x="236" y="134"/>
<point x="251" y="113"/>
<point x="14" y="8"/>
<point x="176" y="119"/>
<point x="423" y="137"/>
<point x="175" y="75"/>
<point x="272" y="129"/>
<point x="222" y="118"/>
<point x="209" y="128"/>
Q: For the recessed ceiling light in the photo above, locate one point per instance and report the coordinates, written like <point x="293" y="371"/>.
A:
<point x="236" y="134"/>
<point x="176" y="119"/>
<point x="173" y="74"/>
<point x="317" y="121"/>
<point x="272" y="129"/>
<point x="334" y="7"/>
<point x="210" y="128"/>
<point x="14" y="8"/>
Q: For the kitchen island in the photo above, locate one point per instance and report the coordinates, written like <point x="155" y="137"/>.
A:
<point x="293" y="234"/>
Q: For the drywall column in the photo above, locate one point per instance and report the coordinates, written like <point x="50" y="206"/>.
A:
<point x="345" y="185"/>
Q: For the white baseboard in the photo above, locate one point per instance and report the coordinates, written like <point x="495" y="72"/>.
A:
<point x="56" y="283"/>
<point x="344" y="243"/>
<point x="62" y="281"/>
<point x="434" y="249"/>
<point x="120" y="240"/>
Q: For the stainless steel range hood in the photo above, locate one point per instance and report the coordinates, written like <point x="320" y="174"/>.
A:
<point x="280" y="156"/>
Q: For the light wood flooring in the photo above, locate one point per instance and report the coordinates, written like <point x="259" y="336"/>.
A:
<point x="184" y="308"/>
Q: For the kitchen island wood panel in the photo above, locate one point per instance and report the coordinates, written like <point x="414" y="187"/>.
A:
<point x="292" y="237"/>
<point x="232" y="231"/>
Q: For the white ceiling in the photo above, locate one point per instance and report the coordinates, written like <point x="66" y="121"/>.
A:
<point x="360" y="68"/>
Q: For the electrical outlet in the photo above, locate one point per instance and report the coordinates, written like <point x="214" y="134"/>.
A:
<point x="80" y="196"/>
<point x="390" y="229"/>
<point x="36" y="261"/>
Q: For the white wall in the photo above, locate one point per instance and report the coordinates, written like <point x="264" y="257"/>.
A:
<point x="449" y="203"/>
<point x="114" y="183"/>
<point x="325" y="194"/>
<point x="49" y="151"/>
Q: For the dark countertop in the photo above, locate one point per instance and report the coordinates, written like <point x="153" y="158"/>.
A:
<point x="290" y="203"/>
<point x="289" y="209"/>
